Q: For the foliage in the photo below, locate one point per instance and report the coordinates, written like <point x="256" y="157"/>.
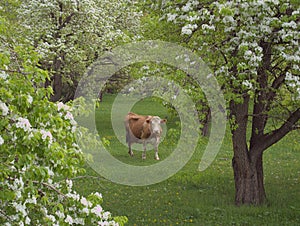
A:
<point x="38" y="150"/>
<point x="230" y="35"/>
<point x="70" y="35"/>
<point x="252" y="48"/>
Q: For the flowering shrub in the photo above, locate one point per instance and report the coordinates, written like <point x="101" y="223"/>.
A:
<point x="38" y="150"/>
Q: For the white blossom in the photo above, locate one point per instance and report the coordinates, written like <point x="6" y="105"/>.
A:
<point x="69" y="219"/>
<point x="228" y="19"/>
<point x="84" y="201"/>
<point x="78" y="221"/>
<point x="247" y="84"/>
<point x="50" y="172"/>
<point x="61" y="105"/>
<point x="51" y="217"/>
<point x="103" y="223"/>
<point x="171" y="17"/>
<point x="3" y="75"/>
<point x="97" y="210"/>
<point x="106" y="215"/>
<point x="1" y="140"/>
<point x="4" y="108"/>
<point x="187" y="7"/>
<point x="291" y="24"/>
<point x="18" y="194"/>
<point x="27" y="220"/>
<point x="208" y="27"/>
<point x="248" y="54"/>
<point x="20" y="208"/>
<point x="24" y="124"/>
<point x="99" y="195"/>
<point x="31" y="200"/>
<point x="193" y="18"/>
<point x="73" y="129"/>
<point x="74" y="196"/>
<point x="46" y="134"/>
<point x="60" y="214"/>
<point x="29" y="99"/>
<point x="85" y="210"/>
<point x="69" y="116"/>
<point x="188" y="29"/>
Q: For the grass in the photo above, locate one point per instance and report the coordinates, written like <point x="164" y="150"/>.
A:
<point x="191" y="197"/>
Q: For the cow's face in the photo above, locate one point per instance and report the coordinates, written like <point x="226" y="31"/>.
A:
<point x="155" y="122"/>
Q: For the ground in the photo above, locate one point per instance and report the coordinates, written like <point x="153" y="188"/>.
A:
<point x="198" y="198"/>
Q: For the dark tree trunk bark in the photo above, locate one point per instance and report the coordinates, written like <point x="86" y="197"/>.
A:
<point x="57" y="88"/>
<point x="205" y="129"/>
<point x="56" y="80"/>
<point x="249" y="181"/>
<point x="247" y="164"/>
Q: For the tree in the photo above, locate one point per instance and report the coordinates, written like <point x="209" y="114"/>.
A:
<point x="70" y="34"/>
<point x="152" y="28"/>
<point x="38" y="153"/>
<point x="253" y="49"/>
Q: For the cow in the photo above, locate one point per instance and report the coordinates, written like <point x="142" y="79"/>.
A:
<point x="143" y="129"/>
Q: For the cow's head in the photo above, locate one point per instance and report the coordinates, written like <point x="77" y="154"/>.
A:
<point x="155" y="122"/>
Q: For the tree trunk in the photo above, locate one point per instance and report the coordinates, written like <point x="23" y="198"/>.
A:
<point x="57" y="88"/>
<point x="56" y="80"/>
<point x="205" y="129"/>
<point x="249" y="180"/>
<point x="247" y="164"/>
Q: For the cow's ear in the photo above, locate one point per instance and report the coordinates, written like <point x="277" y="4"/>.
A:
<point x="148" y="119"/>
<point x="163" y="121"/>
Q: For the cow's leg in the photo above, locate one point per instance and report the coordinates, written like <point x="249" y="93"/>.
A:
<point x="144" y="152"/>
<point x="156" y="154"/>
<point x="130" y="152"/>
<point x="156" y="150"/>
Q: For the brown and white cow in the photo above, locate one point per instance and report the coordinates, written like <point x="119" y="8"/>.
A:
<point x="143" y="129"/>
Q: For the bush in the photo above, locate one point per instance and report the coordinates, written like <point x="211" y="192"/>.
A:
<point x="38" y="152"/>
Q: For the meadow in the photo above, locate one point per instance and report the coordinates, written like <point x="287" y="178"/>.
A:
<point x="191" y="197"/>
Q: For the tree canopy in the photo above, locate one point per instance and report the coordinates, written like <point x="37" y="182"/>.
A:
<point x="253" y="49"/>
<point x="69" y="35"/>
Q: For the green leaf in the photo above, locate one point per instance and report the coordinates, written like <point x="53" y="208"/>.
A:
<point x="7" y="195"/>
<point x="226" y="12"/>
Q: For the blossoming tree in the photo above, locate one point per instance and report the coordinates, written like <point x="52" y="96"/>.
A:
<point x="38" y="153"/>
<point x="70" y="34"/>
<point x="253" y="49"/>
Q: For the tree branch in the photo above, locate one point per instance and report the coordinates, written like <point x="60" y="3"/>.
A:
<point x="277" y="83"/>
<point x="296" y="127"/>
<point x="274" y="136"/>
<point x="279" y="80"/>
<point x="66" y="21"/>
<point x="14" y="71"/>
<point x="50" y="186"/>
<point x="2" y="213"/>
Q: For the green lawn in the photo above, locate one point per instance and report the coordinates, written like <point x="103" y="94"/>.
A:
<point x="191" y="197"/>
